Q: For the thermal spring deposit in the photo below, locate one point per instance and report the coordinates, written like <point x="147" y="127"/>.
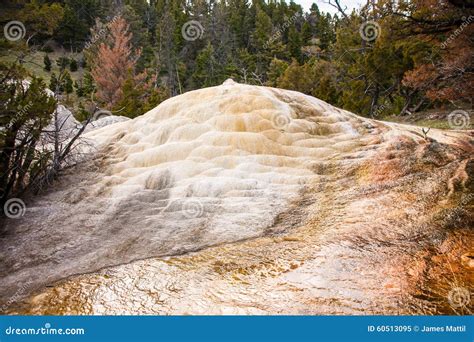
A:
<point x="241" y="199"/>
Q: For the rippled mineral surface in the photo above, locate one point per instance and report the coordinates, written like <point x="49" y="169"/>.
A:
<point x="241" y="199"/>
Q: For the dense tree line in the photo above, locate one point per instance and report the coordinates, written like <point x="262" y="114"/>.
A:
<point x="419" y="54"/>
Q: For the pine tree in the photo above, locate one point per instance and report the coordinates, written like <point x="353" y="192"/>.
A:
<point x="130" y="104"/>
<point x="238" y="21"/>
<point x="325" y="86"/>
<point x="47" y="63"/>
<point x="67" y="83"/>
<point x="83" y="63"/>
<point x="82" y="114"/>
<point x="62" y="63"/>
<point x="262" y="39"/>
<point x="294" y="43"/>
<point x="168" y="33"/>
<point x="53" y="82"/>
<point x="205" y="74"/>
<point x="79" y="17"/>
<point x="297" y="77"/>
<point x="79" y="88"/>
<point x="138" y="97"/>
<point x="88" y="86"/>
<point x="325" y="31"/>
<point x="25" y="113"/>
<point x="263" y="29"/>
<point x="306" y="33"/>
<point x="275" y="71"/>
<point x="73" y="65"/>
<point x="113" y="63"/>
<point x="40" y="17"/>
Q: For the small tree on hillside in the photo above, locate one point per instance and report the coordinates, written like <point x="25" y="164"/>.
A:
<point x="79" y="88"/>
<point x="53" y="82"/>
<point x="40" y="18"/>
<point x="114" y="61"/>
<point x="88" y="85"/>
<point x="73" y="65"/>
<point x="62" y="63"/>
<point x="68" y="83"/>
<point x="47" y="63"/>
<point x="25" y="110"/>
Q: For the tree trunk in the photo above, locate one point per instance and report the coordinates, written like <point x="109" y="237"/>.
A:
<point x="375" y="100"/>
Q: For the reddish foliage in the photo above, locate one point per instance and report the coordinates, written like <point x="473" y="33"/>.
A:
<point x="447" y="76"/>
<point x="114" y="63"/>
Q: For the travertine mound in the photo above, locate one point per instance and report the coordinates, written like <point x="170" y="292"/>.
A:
<point x="333" y="205"/>
<point x="105" y="121"/>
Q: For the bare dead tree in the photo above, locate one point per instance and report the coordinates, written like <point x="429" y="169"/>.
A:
<point x="65" y="141"/>
<point x="425" y="132"/>
<point x="337" y="5"/>
<point x="35" y="144"/>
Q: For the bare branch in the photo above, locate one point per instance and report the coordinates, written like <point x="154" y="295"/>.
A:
<point x="337" y="5"/>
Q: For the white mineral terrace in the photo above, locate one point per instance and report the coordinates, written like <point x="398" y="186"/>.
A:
<point x="240" y="199"/>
